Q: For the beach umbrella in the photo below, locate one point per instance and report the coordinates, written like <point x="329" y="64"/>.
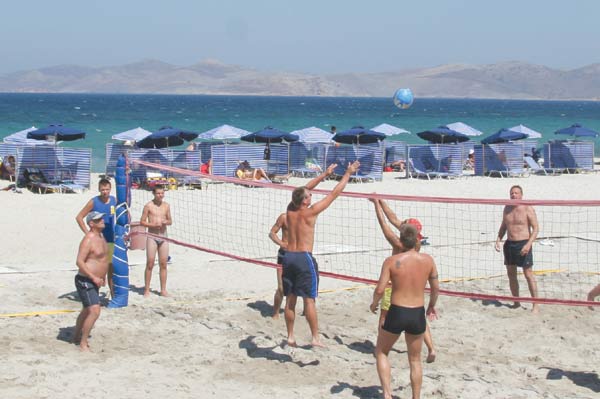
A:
<point x="577" y="130"/>
<point x="134" y="135"/>
<point x="532" y="134"/>
<point x="358" y="135"/>
<point x="389" y="130"/>
<point x="167" y="137"/>
<point x="443" y="135"/>
<point x="56" y="133"/>
<point x="223" y="133"/>
<point x="269" y="135"/>
<point x="502" y="136"/>
<point x="313" y="135"/>
<point x="21" y="138"/>
<point x="464" y="129"/>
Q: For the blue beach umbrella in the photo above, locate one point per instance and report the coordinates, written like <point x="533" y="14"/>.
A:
<point x="269" y="135"/>
<point x="443" y="135"/>
<point x="56" y="133"/>
<point x="359" y="135"/>
<point x="504" y="135"/>
<point x="167" y="137"/>
<point x="577" y="130"/>
<point x="21" y="138"/>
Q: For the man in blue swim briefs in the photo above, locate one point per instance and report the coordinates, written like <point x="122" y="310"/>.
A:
<point x="520" y="224"/>
<point x="280" y="224"/>
<point x="300" y="270"/>
<point x="105" y="204"/>
<point x="92" y="262"/>
<point x="409" y="272"/>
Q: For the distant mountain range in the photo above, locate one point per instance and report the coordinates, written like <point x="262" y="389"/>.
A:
<point x="507" y="80"/>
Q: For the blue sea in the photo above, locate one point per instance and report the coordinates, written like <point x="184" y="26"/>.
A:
<point x="102" y="115"/>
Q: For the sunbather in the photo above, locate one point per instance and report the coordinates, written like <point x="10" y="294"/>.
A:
<point x="245" y="172"/>
<point x="7" y="168"/>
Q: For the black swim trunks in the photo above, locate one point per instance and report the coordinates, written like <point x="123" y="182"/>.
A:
<point x="512" y="254"/>
<point x="300" y="274"/>
<point x="411" y="320"/>
<point x="87" y="290"/>
<point x="280" y="255"/>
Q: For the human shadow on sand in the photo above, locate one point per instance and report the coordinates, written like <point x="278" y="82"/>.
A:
<point x="140" y="290"/>
<point x="65" y="334"/>
<point x="366" y="346"/>
<point x="581" y="378"/>
<point x="374" y="391"/>
<point x="494" y="302"/>
<point x="256" y="352"/>
<point x="74" y="296"/>
<point x="265" y="309"/>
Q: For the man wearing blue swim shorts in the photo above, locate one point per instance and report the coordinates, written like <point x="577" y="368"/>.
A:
<point x="300" y="270"/>
<point x="409" y="272"/>
<point x="520" y="224"/>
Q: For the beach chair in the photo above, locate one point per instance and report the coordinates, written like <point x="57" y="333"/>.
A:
<point x="37" y="182"/>
<point x="418" y="168"/>
<point x="534" y="167"/>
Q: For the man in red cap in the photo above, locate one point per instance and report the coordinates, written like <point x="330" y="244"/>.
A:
<point x="382" y="208"/>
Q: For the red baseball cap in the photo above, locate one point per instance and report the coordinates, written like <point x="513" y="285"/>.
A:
<point x="417" y="224"/>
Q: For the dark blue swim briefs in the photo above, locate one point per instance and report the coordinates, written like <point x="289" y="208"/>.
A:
<point x="400" y="318"/>
<point x="300" y="274"/>
<point x="89" y="293"/>
<point x="512" y="254"/>
<point x="280" y="255"/>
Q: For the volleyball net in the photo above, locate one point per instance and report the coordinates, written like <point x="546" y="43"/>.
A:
<point x="232" y="218"/>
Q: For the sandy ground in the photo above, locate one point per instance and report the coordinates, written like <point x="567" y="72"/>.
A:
<point x="214" y="336"/>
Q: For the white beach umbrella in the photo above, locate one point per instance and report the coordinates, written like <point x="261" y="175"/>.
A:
<point x="133" y="135"/>
<point x="464" y="129"/>
<point x="313" y="135"/>
<point x="21" y="138"/>
<point x="389" y="130"/>
<point x="532" y="134"/>
<point x="223" y="132"/>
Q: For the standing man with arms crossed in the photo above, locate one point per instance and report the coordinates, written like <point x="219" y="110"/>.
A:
<point x="280" y="224"/>
<point x="156" y="216"/>
<point x="520" y="224"/>
<point x="381" y="208"/>
<point x="300" y="270"/>
<point x="105" y="204"/>
<point x="92" y="262"/>
<point x="409" y="272"/>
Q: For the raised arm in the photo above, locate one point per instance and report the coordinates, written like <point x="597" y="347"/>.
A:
<point x="390" y="214"/>
<point x="387" y="232"/>
<point x="434" y="285"/>
<point x="337" y="190"/>
<point x="273" y="234"/>
<point x="384" y="279"/>
<point x="82" y="213"/>
<point x="315" y="182"/>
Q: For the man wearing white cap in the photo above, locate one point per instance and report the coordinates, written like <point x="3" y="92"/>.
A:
<point x="92" y="261"/>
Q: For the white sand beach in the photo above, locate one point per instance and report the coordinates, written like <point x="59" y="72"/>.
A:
<point x="214" y="336"/>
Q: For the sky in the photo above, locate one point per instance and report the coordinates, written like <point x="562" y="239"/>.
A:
<point x="309" y="36"/>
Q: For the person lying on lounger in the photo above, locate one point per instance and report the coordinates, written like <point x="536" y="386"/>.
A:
<point x="245" y="172"/>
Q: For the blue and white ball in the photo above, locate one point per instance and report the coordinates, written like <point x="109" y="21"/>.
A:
<point x="403" y="98"/>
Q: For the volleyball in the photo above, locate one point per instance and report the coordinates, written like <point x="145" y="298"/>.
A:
<point x="403" y="98"/>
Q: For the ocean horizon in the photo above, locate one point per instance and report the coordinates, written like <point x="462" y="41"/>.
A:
<point x="103" y="115"/>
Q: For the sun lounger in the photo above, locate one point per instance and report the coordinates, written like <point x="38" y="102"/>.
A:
<point x="37" y="182"/>
<point x="534" y="167"/>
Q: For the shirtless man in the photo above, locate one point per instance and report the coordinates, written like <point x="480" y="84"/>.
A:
<point x="409" y="272"/>
<point x="156" y="216"/>
<point x="92" y="261"/>
<point x="280" y="224"/>
<point x="520" y="224"/>
<point x="105" y="204"/>
<point x="381" y="208"/>
<point x="300" y="270"/>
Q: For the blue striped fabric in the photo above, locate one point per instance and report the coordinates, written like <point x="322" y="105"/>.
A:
<point x="300" y="152"/>
<point x="226" y="158"/>
<point x="435" y="160"/>
<point x="58" y="164"/>
<point x="370" y="157"/>
<point x="113" y="152"/>
<point x="395" y="151"/>
<point x="183" y="159"/>
<point x="569" y="155"/>
<point x="504" y="158"/>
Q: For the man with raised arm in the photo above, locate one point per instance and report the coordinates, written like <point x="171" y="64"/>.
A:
<point x="381" y="208"/>
<point x="520" y="224"/>
<point x="409" y="272"/>
<point x="156" y="216"/>
<point x="92" y="262"/>
<point x="280" y="224"/>
<point x="300" y="270"/>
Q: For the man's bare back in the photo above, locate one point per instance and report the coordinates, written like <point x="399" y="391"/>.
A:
<point x="301" y="229"/>
<point x="409" y="273"/>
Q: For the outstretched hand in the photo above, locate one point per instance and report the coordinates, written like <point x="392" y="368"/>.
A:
<point x="353" y="167"/>
<point x="330" y="169"/>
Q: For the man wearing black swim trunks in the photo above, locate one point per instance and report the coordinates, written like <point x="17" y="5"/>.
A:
<point x="520" y="224"/>
<point x="409" y="272"/>
<point x="280" y="224"/>
<point x="300" y="270"/>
